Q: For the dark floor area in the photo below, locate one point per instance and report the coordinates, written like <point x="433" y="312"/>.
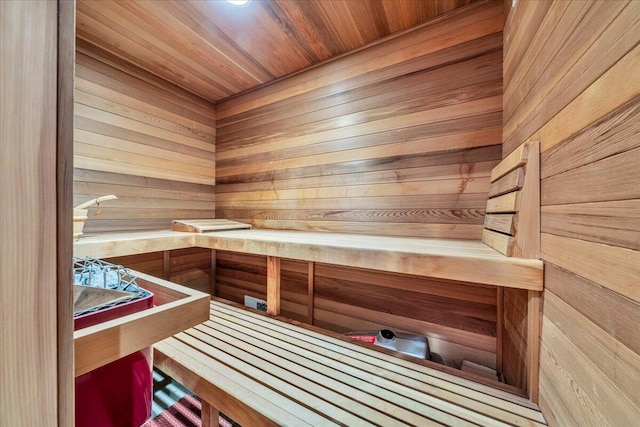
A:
<point x="169" y="400"/>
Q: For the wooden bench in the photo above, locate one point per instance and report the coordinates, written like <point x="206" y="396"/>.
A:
<point x="259" y="370"/>
<point x="452" y="259"/>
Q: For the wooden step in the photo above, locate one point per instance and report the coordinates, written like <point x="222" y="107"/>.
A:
<point x="263" y="371"/>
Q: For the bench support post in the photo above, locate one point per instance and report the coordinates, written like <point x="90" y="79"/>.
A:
<point x="499" y="326"/>
<point x="273" y="285"/>
<point x="209" y="415"/>
<point x="533" y="344"/>
<point x="166" y="265"/>
<point x="213" y="273"/>
<point x="310" y="291"/>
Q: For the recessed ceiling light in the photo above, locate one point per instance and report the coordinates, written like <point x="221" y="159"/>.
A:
<point x="238" y="2"/>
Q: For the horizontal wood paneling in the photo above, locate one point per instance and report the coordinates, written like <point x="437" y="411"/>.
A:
<point x="436" y="308"/>
<point x="578" y="349"/>
<point x="613" y="223"/>
<point x="188" y="267"/>
<point x="191" y="267"/>
<point x="610" y="266"/>
<point x="574" y="87"/>
<point x="383" y="141"/>
<point x="565" y="57"/>
<point x="144" y="140"/>
<point x="215" y="49"/>
<point x="595" y="182"/>
<point x="613" y="313"/>
<point x="443" y="351"/>
<point x="151" y="263"/>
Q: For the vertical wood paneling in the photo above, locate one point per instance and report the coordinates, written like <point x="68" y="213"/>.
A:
<point x="273" y="285"/>
<point x="396" y="139"/>
<point x="514" y="332"/>
<point x="64" y="184"/>
<point x="142" y="139"/>
<point x="28" y="218"/>
<point x="574" y="87"/>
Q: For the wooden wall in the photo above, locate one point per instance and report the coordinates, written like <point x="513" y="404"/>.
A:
<point x="459" y="318"/>
<point x="239" y="274"/>
<point x="572" y="81"/>
<point x="397" y="139"/>
<point x="142" y="139"/>
<point x="29" y="349"/>
<point x="214" y="49"/>
<point x="189" y="267"/>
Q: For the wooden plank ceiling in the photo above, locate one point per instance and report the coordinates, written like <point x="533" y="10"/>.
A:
<point x="215" y="49"/>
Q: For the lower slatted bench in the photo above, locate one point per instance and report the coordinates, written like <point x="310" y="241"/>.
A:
<point x="259" y="370"/>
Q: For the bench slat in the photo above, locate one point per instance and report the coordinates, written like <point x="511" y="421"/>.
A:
<point x="371" y="393"/>
<point x="263" y="371"/>
<point x="249" y="399"/>
<point x="375" y="407"/>
<point x="510" y="182"/>
<point x="502" y="243"/>
<point x="420" y="402"/>
<point x="504" y="223"/>
<point x="463" y="260"/>
<point x="517" y="158"/>
<point x="343" y="347"/>
<point x="506" y="203"/>
<point x="386" y="366"/>
<point x="261" y="375"/>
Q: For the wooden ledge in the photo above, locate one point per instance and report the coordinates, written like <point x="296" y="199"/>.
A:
<point x="176" y="308"/>
<point x="462" y="260"/>
<point x="107" y="245"/>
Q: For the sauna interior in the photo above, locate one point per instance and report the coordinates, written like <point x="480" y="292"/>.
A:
<point x="461" y="170"/>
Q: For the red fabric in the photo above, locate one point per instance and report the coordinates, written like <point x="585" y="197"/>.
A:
<point x="117" y="394"/>
<point x="184" y="413"/>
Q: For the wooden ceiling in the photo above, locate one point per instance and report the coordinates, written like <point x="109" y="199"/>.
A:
<point x="215" y="49"/>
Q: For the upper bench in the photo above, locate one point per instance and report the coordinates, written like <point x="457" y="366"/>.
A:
<point x="462" y="260"/>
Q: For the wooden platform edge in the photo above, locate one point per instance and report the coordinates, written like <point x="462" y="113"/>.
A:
<point x="482" y="268"/>
<point x="176" y="308"/>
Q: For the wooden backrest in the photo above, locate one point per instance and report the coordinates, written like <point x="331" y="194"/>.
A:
<point x="512" y="221"/>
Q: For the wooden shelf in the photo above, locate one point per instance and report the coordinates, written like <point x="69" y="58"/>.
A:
<point x="107" y="245"/>
<point x="176" y="308"/>
<point x="462" y="260"/>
